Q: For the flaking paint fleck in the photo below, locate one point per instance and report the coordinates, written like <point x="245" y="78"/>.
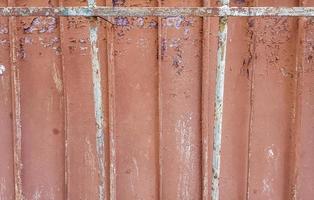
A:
<point x="2" y="69"/>
<point x="3" y="29"/>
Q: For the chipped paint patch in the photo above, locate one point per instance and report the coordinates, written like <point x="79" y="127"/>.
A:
<point x="174" y="22"/>
<point x="42" y="25"/>
<point x="4" y="29"/>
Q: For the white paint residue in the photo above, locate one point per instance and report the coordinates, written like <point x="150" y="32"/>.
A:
<point x="89" y="157"/>
<point x="174" y="22"/>
<point x="37" y="195"/>
<point x="51" y="194"/>
<point x="56" y="78"/>
<point x="270" y="153"/>
<point x="271" y="170"/>
<point x="2" y="69"/>
<point x="267" y="186"/>
<point x="183" y="130"/>
<point x="3" y="188"/>
<point x="136" y="166"/>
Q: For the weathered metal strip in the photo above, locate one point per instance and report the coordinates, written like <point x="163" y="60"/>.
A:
<point x="16" y="108"/>
<point x="296" y="122"/>
<point x="219" y="96"/>
<point x="65" y="106"/>
<point x="205" y="106"/>
<point x="98" y="104"/>
<point x="158" y="11"/>
<point x="159" y="88"/>
<point x="99" y="114"/>
<point x="111" y="112"/>
<point x="16" y="111"/>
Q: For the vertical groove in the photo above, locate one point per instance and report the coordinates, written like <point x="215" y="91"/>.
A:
<point x="219" y="93"/>
<point x="204" y="108"/>
<point x="16" y="108"/>
<point x="251" y="114"/>
<point x="159" y="41"/>
<point x="98" y="103"/>
<point x="111" y="107"/>
<point x="65" y="105"/>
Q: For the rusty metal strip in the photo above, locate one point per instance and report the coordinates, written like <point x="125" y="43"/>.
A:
<point x="219" y="96"/>
<point x="158" y="11"/>
<point x="98" y="103"/>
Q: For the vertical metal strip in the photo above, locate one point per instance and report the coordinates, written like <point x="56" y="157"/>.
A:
<point x="98" y="103"/>
<point x="65" y="105"/>
<point x="219" y="94"/>
<point x="112" y="143"/>
<point x="296" y="123"/>
<point x="204" y="106"/>
<point x="111" y="107"/>
<point x="159" y="40"/>
<point x="16" y="108"/>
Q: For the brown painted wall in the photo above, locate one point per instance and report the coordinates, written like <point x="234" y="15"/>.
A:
<point x="158" y="91"/>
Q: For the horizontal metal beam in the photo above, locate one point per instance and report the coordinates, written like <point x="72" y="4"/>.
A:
<point x="158" y="11"/>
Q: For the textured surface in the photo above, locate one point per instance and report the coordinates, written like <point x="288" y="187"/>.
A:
<point x="157" y="81"/>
